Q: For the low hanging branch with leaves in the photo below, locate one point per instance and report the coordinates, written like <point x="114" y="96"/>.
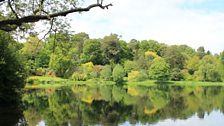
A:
<point x="19" y="12"/>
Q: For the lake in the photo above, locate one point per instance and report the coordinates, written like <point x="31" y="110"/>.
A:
<point x="119" y="105"/>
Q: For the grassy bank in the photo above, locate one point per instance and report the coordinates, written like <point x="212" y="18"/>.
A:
<point x="55" y="82"/>
<point x="175" y="83"/>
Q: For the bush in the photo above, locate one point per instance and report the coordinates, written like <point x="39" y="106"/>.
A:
<point x="40" y="71"/>
<point x="129" y="66"/>
<point x="142" y="76"/>
<point x="133" y="75"/>
<point x="93" y="75"/>
<point x="50" y="73"/>
<point x="186" y="75"/>
<point x="87" y="69"/>
<point x="96" y="71"/>
<point x="118" y="73"/>
<point x="176" y="75"/>
<point x="106" y="73"/>
<point x="79" y="76"/>
<point x="137" y="76"/>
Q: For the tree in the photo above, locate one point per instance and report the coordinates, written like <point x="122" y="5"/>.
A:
<point x="20" y="13"/>
<point x="193" y="64"/>
<point x="125" y="53"/>
<point x="149" y="45"/>
<point x="187" y="51"/>
<point x="60" y="40"/>
<point x="62" y="65"/>
<point x="133" y="45"/>
<point x="176" y="74"/>
<point x="78" y="40"/>
<point x="32" y="46"/>
<point x="92" y="52"/>
<point x="149" y="55"/>
<point x="118" y="73"/>
<point x="113" y="49"/>
<point x="130" y="65"/>
<point x="174" y="56"/>
<point x="35" y="55"/>
<point x="142" y="63"/>
<point x="208" y="70"/>
<point x="222" y="64"/>
<point x="222" y="57"/>
<point x="162" y="48"/>
<point x="201" y="52"/>
<point x="43" y="58"/>
<point x="159" y="69"/>
<point x="12" y="73"/>
<point x="63" y="56"/>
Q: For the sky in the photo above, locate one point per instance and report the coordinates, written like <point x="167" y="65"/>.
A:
<point x="191" y="22"/>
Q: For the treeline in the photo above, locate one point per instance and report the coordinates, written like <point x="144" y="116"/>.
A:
<point x="81" y="58"/>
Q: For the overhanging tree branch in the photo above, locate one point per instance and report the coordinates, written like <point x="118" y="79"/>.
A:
<point x="12" y="24"/>
<point x="13" y="11"/>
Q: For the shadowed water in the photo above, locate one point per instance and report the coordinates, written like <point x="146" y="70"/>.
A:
<point x="129" y="105"/>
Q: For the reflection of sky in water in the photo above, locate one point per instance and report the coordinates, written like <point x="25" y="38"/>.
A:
<point x="215" y="118"/>
<point x="42" y="123"/>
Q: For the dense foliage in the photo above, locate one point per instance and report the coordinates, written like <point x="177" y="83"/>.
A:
<point x="118" y="73"/>
<point x="159" y="69"/>
<point x="12" y="72"/>
<point x="81" y="58"/>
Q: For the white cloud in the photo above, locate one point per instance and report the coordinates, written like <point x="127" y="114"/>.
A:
<point x="161" y="20"/>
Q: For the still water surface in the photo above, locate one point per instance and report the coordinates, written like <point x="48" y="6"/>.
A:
<point x="124" y="106"/>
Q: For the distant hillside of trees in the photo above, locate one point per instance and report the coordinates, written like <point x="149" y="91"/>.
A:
<point x="81" y="58"/>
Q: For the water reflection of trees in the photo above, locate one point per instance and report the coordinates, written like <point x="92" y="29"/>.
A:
<point x="11" y="116"/>
<point x="112" y="105"/>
